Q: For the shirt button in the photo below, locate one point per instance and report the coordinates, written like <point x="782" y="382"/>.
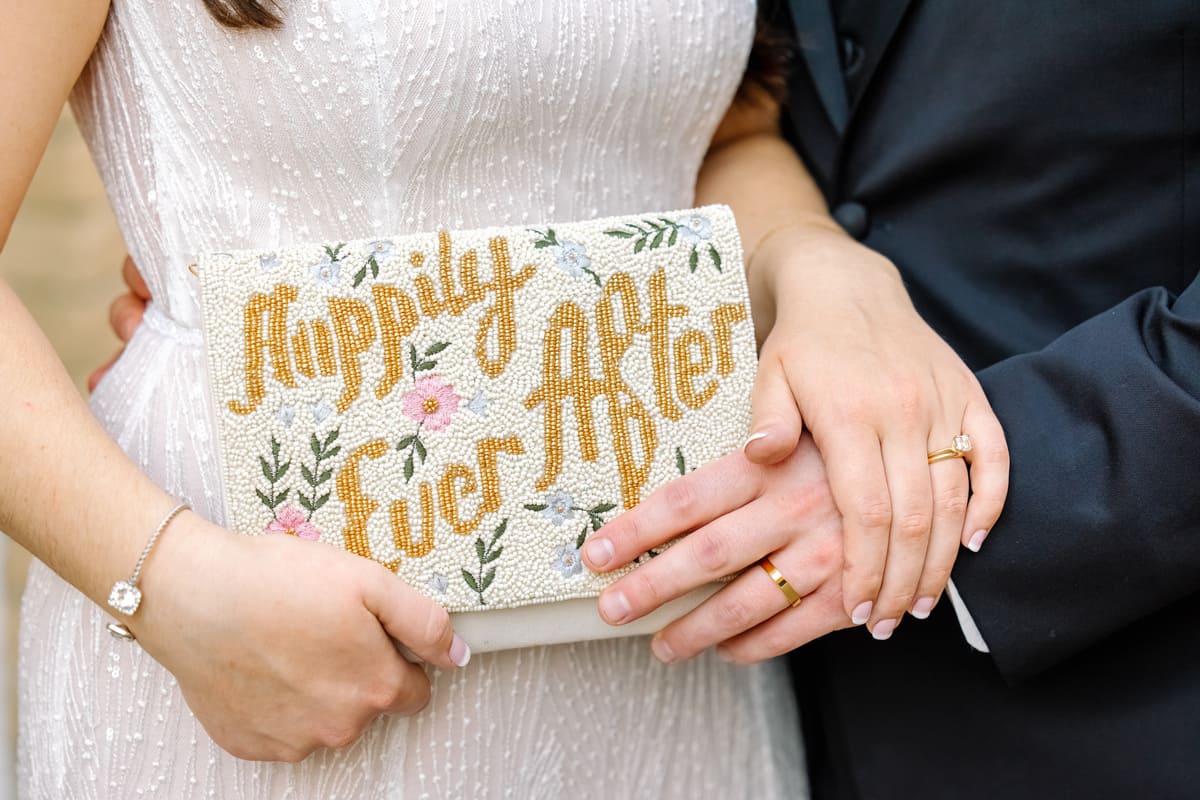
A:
<point x="852" y="55"/>
<point x="853" y="217"/>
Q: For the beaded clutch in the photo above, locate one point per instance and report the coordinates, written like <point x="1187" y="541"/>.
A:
<point x="466" y="408"/>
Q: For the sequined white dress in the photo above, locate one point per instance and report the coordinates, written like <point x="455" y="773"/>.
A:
<point x="369" y="118"/>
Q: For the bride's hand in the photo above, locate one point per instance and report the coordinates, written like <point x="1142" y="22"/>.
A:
<point x="283" y="646"/>
<point x="731" y="513"/>
<point x="124" y="315"/>
<point x="849" y="359"/>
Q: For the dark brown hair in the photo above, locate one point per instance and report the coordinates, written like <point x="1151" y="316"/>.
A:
<point x="766" y="71"/>
<point x="245" y="13"/>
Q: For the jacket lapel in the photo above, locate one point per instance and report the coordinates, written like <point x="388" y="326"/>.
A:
<point x="878" y="30"/>
<point x="818" y="44"/>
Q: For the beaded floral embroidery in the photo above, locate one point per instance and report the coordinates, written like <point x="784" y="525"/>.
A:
<point x="467" y="408"/>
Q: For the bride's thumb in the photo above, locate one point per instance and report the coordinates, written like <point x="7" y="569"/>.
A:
<point x="415" y="621"/>
<point x="775" y="422"/>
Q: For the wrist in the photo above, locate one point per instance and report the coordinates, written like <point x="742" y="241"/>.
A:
<point x="166" y="579"/>
<point x="817" y="262"/>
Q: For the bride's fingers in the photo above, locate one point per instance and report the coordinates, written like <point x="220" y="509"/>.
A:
<point x="94" y="379"/>
<point x="671" y="510"/>
<point x="748" y="600"/>
<point x="412" y="619"/>
<point x="989" y="463"/>
<point x="855" y="468"/>
<point x="950" y="489"/>
<point x="713" y="551"/>
<point x="907" y="469"/>
<point x="125" y="314"/>
<point x="775" y="424"/>
<point x="133" y="279"/>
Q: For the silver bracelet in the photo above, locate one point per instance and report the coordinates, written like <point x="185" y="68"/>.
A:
<point x="125" y="596"/>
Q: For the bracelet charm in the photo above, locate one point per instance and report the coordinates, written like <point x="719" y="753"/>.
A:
<point x="125" y="596"/>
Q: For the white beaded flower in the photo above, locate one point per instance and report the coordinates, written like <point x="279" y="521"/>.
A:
<point x="269" y="262"/>
<point x="479" y="404"/>
<point x="381" y="250"/>
<point x="695" y="229"/>
<point x="558" y="507"/>
<point x="438" y="583"/>
<point x="572" y="258"/>
<point x="321" y="410"/>
<point x="285" y="415"/>
<point x="567" y="561"/>
<point x="326" y="272"/>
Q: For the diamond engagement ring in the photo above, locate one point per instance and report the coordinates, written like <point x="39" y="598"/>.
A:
<point x="962" y="445"/>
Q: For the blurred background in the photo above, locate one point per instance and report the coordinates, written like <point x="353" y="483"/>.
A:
<point x="63" y="258"/>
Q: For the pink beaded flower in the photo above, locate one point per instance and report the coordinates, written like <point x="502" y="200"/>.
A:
<point x="292" y="522"/>
<point x="431" y="402"/>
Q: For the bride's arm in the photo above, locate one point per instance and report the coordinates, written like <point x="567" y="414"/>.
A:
<point x="286" y="644"/>
<point x="845" y="356"/>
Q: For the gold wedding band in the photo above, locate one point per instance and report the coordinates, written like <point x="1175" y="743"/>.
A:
<point x="793" y="597"/>
<point x="962" y="445"/>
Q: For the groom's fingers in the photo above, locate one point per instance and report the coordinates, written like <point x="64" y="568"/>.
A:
<point x="714" y="551"/>
<point x="748" y="600"/>
<point x="672" y="510"/>
<point x="819" y="614"/>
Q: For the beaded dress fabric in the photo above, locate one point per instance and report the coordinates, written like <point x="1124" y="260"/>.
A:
<point x="375" y="118"/>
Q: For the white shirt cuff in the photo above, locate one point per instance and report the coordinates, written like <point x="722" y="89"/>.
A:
<point x="969" y="629"/>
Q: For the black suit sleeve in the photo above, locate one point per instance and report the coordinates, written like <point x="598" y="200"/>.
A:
<point x="1102" y="524"/>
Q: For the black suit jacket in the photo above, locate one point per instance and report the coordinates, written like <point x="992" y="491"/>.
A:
<point x="1033" y="169"/>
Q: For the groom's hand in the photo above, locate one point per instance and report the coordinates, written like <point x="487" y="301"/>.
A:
<point x="731" y="514"/>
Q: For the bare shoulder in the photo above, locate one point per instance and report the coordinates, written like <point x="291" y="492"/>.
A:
<point x="44" y="45"/>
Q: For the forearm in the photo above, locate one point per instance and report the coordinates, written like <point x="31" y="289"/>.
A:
<point x="1101" y="529"/>
<point x="70" y="495"/>
<point x="780" y="211"/>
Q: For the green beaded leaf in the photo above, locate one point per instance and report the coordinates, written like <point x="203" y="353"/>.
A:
<point x="470" y="580"/>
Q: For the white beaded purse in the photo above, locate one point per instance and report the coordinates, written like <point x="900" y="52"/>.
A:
<point x="466" y="408"/>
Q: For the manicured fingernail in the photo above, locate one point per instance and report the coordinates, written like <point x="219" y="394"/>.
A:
<point x="977" y="541"/>
<point x="754" y="437"/>
<point x="662" y="651"/>
<point x="883" y="629"/>
<point x="862" y="613"/>
<point x="599" y="552"/>
<point x="614" y="607"/>
<point x="460" y="652"/>
<point x="923" y="607"/>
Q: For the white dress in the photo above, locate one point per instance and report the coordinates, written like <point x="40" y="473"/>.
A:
<point x="381" y="117"/>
